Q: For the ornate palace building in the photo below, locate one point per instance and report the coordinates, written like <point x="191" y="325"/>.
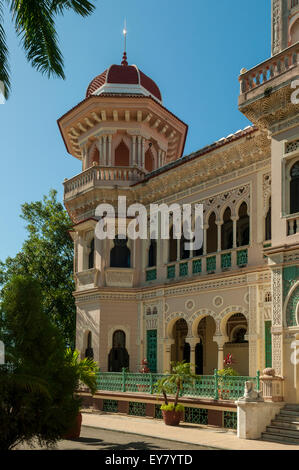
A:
<point x="239" y="294"/>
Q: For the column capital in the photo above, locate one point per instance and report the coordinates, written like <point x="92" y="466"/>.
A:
<point x="220" y="340"/>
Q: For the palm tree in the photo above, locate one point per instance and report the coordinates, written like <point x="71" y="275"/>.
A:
<point x="173" y="383"/>
<point x="34" y="22"/>
<point x="85" y="369"/>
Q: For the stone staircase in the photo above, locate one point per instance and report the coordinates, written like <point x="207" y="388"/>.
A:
<point x="285" y="427"/>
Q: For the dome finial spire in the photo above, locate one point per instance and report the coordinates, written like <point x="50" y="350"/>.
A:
<point x="124" y="61"/>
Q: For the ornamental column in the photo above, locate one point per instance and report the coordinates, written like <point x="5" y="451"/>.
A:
<point x="219" y="224"/>
<point x="220" y="340"/>
<point x="205" y="229"/>
<point x="104" y="139"/>
<point x="100" y="148"/>
<point x="143" y="153"/>
<point x="167" y="354"/>
<point x="234" y="219"/>
<point x="134" y="150"/>
<point x="139" y="150"/>
<point x="192" y="342"/>
<point x="277" y="323"/>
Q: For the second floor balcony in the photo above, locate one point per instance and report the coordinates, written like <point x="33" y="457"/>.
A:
<point x="265" y="90"/>
<point x="101" y="176"/>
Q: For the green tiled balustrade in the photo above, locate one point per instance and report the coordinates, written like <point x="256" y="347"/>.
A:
<point x="196" y="266"/>
<point x="151" y="275"/>
<point x="242" y="257"/>
<point x="171" y="271"/>
<point x="184" y="269"/>
<point x="207" y="386"/>
<point x="211" y="264"/>
<point x="226" y="260"/>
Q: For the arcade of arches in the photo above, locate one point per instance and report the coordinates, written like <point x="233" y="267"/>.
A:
<point x="204" y="352"/>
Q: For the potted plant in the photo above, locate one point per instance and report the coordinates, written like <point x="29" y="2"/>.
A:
<point x="173" y="383"/>
<point x="85" y="370"/>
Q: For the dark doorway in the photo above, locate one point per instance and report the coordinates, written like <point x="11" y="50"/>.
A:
<point x="199" y="359"/>
<point x="118" y="356"/>
<point x="186" y="353"/>
<point x="120" y="255"/>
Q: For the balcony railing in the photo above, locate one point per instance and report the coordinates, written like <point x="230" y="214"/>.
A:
<point x="270" y="69"/>
<point x="208" y="264"/>
<point x="206" y="386"/>
<point x="102" y="175"/>
<point x="293" y="224"/>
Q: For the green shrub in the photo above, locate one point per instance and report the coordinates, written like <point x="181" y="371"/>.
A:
<point x="171" y="407"/>
<point x="228" y="372"/>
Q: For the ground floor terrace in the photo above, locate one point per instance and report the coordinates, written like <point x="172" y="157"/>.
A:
<point x="202" y="322"/>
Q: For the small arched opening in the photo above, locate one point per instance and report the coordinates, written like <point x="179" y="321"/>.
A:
<point x="237" y="346"/>
<point x="227" y="230"/>
<point x="212" y="234"/>
<point x="294" y="188"/>
<point x="120" y="255"/>
<point x="149" y="161"/>
<point x="122" y="155"/>
<point x="243" y="226"/>
<point x="89" y="350"/>
<point x="118" y="356"/>
<point x="180" y="350"/>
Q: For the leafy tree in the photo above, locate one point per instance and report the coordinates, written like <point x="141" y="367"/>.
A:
<point x="37" y="391"/>
<point x="34" y="22"/>
<point x="47" y="256"/>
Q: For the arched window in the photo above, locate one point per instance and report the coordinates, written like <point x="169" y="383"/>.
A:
<point x="152" y="254"/>
<point x="122" y="155"/>
<point x="89" y="349"/>
<point x="149" y="160"/>
<point x="268" y="234"/>
<point x="294" y="189"/>
<point x="118" y="356"/>
<point x="212" y="234"/>
<point x="172" y="246"/>
<point x="184" y="254"/>
<point x="243" y="227"/>
<point x="120" y="255"/>
<point x="95" y="156"/>
<point x="91" y="255"/>
<point x="119" y="339"/>
<point x="227" y="230"/>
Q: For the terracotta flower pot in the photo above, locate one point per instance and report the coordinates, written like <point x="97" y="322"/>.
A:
<point x="74" y="432"/>
<point x="172" y="418"/>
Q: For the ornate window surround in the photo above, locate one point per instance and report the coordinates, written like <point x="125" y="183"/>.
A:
<point x="287" y="162"/>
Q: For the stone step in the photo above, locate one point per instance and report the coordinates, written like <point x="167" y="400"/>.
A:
<point x="277" y="438"/>
<point x="291" y="433"/>
<point x="291" y="407"/>
<point x="285" y="424"/>
<point x="285" y="412"/>
<point x="287" y="419"/>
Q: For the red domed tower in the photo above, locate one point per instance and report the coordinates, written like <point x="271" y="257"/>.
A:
<point x="120" y="132"/>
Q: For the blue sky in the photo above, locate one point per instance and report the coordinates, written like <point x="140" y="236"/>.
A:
<point x="193" y="49"/>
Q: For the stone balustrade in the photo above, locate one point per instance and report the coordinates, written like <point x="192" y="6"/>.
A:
<point x="293" y="224"/>
<point x="102" y="175"/>
<point x="272" y="386"/>
<point x="268" y="70"/>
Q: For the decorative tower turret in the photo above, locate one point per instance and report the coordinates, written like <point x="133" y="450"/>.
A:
<point x="285" y="24"/>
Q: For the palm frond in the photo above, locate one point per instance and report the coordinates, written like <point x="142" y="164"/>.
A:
<point x="34" y="24"/>
<point x="4" y="67"/>
<point x="28" y="383"/>
<point x="81" y="7"/>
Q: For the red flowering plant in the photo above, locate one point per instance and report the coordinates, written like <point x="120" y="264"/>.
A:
<point x="144" y="370"/>
<point x="227" y="371"/>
